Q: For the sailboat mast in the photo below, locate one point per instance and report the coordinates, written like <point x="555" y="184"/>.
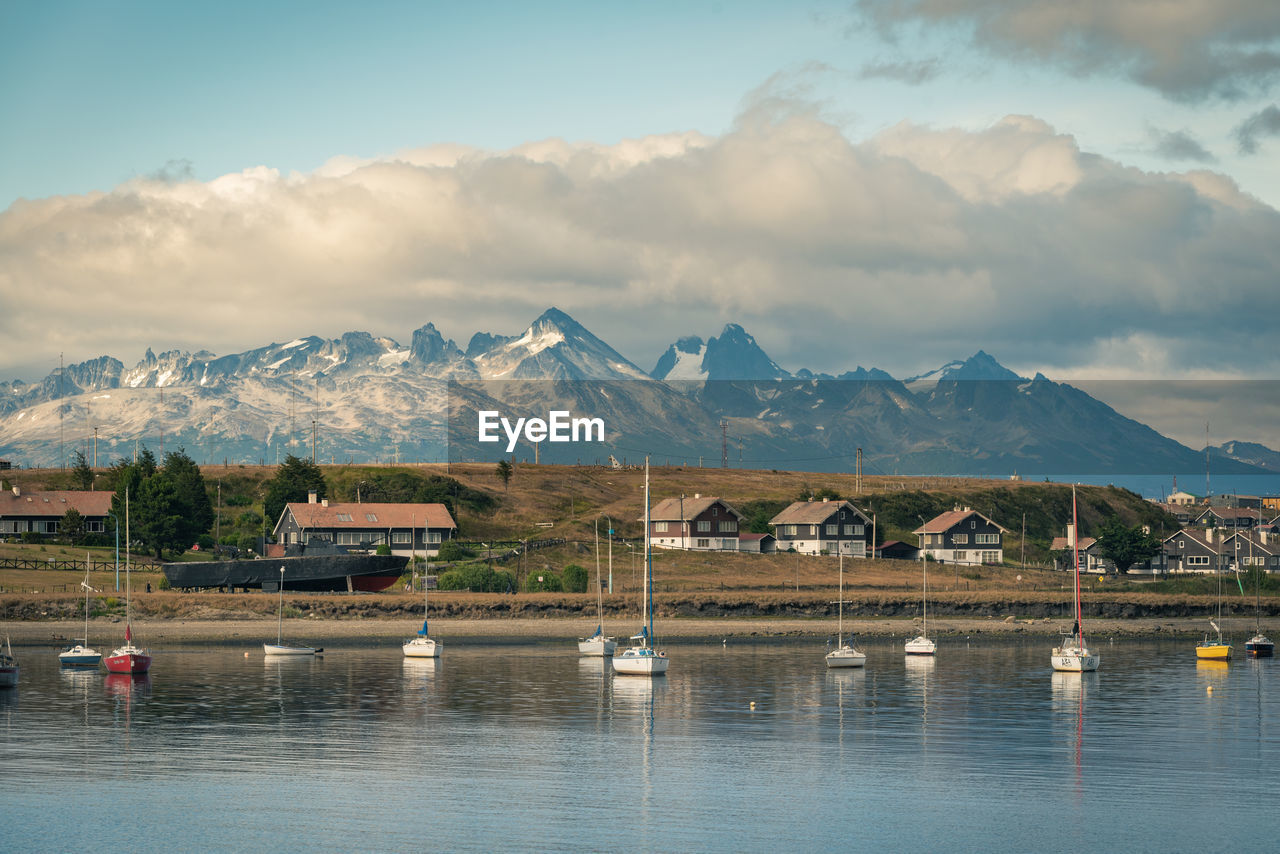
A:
<point x="648" y="560"/>
<point x="280" y="612"/>
<point x="840" y="607"/>
<point x="1075" y="557"/>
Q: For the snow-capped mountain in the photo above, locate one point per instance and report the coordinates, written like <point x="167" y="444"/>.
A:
<point x="366" y="398"/>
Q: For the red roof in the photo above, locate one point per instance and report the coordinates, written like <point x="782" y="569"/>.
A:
<point x="56" y="504"/>
<point x="357" y="516"/>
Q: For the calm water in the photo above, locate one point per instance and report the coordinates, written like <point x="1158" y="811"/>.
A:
<point x="532" y="748"/>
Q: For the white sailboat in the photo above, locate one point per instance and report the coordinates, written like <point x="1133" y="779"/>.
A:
<point x="1072" y="655"/>
<point x="82" y="655"/>
<point x="598" y="644"/>
<point x="129" y="658"/>
<point x="422" y="645"/>
<point x="280" y="647"/>
<point x="641" y="659"/>
<point x="844" y="655"/>
<point x="921" y="645"/>
<point x="9" y="667"/>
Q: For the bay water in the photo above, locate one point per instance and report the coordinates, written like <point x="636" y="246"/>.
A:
<point x="741" y="747"/>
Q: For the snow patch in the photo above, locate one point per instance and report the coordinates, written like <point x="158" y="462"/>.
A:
<point x="101" y="397"/>
<point x="297" y="342"/>
<point x="163" y="378"/>
<point x="688" y="366"/>
<point x="535" y="345"/>
<point x="21" y="415"/>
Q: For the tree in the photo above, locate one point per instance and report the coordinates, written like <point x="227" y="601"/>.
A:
<point x="574" y="579"/>
<point x="1124" y="546"/>
<point x="193" y="505"/>
<point x="155" y="515"/>
<point x="81" y="473"/>
<point x="504" y="472"/>
<point x="293" y="482"/>
<point x="71" y="525"/>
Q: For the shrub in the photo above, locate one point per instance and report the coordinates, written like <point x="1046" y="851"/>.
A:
<point x="452" y="550"/>
<point x="383" y="549"/>
<point x="574" y="579"/>
<point x="205" y="542"/>
<point x="164" y="583"/>
<point x="550" y="582"/>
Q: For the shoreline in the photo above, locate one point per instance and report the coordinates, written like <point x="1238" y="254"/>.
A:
<point x="470" y="631"/>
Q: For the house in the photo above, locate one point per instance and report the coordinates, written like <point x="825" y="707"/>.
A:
<point x="962" y="535"/>
<point x="1182" y="499"/>
<point x="1247" y="549"/>
<point x="1235" y="518"/>
<point x="764" y="544"/>
<point x="1244" y="502"/>
<point x="898" y="550"/>
<point x="1185" y="514"/>
<point x="42" y="512"/>
<point x="406" y="528"/>
<point x="1090" y="558"/>
<point x="698" y="523"/>
<point x="823" y="527"/>
<point x="1195" y="550"/>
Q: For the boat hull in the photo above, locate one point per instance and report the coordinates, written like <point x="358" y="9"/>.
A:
<point x="597" y="646"/>
<point x="1075" y="661"/>
<point x="127" y="660"/>
<point x="1214" y="652"/>
<point x="9" y="675"/>
<point x="920" y="646"/>
<point x="846" y="657"/>
<point x="421" y="647"/>
<point x="288" y="649"/>
<point x="80" y="656"/>
<point x="312" y="573"/>
<point x="1259" y="647"/>
<point x="641" y="661"/>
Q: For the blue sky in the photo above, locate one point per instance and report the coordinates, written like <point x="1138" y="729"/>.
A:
<point x="965" y="172"/>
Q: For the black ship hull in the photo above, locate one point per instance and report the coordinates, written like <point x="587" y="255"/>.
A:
<point x="315" y="573"/>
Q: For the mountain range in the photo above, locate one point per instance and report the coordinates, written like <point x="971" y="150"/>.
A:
<point x="363" y="398"/>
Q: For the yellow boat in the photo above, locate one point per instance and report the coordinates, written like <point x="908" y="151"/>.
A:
<point x="1213" y="650"/>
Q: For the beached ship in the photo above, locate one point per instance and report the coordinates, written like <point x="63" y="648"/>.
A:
<point x="310" y="571"/>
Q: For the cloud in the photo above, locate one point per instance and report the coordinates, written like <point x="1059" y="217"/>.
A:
<point x="913" y="73"/>
<point x="902" y="251"/>
<point x="1187" y="50"/>
<point x="1178" y="145"/>
<point x="1265" y="122"/>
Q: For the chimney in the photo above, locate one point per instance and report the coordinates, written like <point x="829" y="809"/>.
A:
<point x="1208" y="535"/>
<point x="1262" y="536"/>
<point x="17" y="491"/>
<point x="311" y="497"/>
<point x="324" y="502"/>
<point x="697" y="495"/>
<point x="825" y="500"/>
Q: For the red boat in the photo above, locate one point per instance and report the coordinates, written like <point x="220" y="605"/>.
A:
<point x="128" y="658"/>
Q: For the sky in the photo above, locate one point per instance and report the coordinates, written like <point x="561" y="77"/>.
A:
<point x="1088" y="190"/>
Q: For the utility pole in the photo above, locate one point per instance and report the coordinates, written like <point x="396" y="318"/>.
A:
<point x="313" y="441"/>
<point x="724" y="444"/>
<point x="857" y="477"/>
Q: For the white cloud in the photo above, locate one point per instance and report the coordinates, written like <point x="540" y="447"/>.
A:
<point x="901" y="251"/>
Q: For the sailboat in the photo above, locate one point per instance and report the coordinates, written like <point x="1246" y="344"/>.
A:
<point x="1071" y="655"/>
<point x="127" y="658"/>
<point x="280" y="647"/>
<point x="598" y="644"/>
<point x="921" y="645"/>
<point x="1258" y="646"/>
<point x="844" y="655"/>
<point x="641" y="659"/>
<point x="1215" y="649"/>
<point x="82" y="655"/>
<point x="422" y="646"/>
<point x="9" y="667"/>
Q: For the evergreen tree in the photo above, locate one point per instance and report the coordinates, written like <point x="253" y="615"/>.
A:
<point x="81" y="472"/>
<point x="292" y="482"/>
<point x="1125" y="546"/>
<point x="504" y="473"/>
<point x="192" y="499"/>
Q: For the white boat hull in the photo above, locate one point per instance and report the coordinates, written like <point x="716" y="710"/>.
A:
<point x="421" y="647"/>
<point x="288" y="649"/>
<point x="641" y="661"/>
<point x="920" y="646"/>
<point x="1075" y="660"/>
<point x="846" y="656"/>
<point x="80" y="656"/>
<point x="597" y="646"/>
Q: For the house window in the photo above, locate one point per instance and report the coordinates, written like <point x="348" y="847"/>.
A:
<point x="704" y="526"/>
<point x="1197" y="560"/>
<point x="961" y="555"/>
<point x="351" y="538"/>
<point x="986" y="539"/>
<point x="973" y="524"/>
<point x="402" y="536"/>
<point x="728" y="526"/>
<point x="95" y="527"/>
<point x="991" y="557"/>
<point x="344" y="517"/>
<point x="715" y="511"/>
<point x="833" y="530"/>
<point x="960" y="539"/>
<point x="788" y="530"/>
<point x="703" y="544"/>
<point x="371" y="517"/>
<point x="813" y="530"/>
<point x="433" y="537"/>
<point x="660" y="527"/>
<point x="859" y="530"/>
